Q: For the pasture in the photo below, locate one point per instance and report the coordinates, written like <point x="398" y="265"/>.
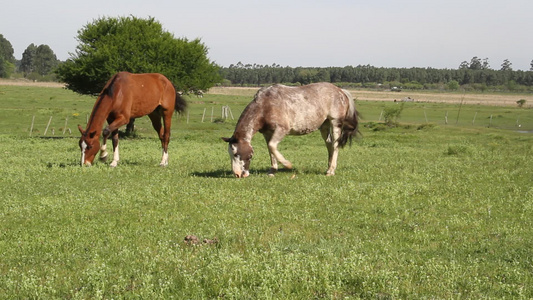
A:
<point x="423" y="210"/>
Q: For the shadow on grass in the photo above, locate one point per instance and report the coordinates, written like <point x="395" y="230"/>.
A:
<point x="214" y="174"/>
<point x="226" y="173"/>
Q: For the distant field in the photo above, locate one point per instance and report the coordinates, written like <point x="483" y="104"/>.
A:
<point x="425" y="210"/>
<point x="451" y="98"/>
<point x="501" y="99"/>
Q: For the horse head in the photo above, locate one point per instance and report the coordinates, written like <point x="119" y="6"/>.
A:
<point x="89" y="146"/>
<point x="240" y="152"/>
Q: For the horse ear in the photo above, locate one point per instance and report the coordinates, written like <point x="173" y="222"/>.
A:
<point x="227" y="140"/>
<point x="92" y="134"/>
<point x="81" y="129"/>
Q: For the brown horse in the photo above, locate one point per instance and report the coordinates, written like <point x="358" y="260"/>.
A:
<point x="278" y="110"/>
<point x="127" y="96"/>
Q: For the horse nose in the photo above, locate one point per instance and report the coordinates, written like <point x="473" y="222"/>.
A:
<point x="237" y="175"/>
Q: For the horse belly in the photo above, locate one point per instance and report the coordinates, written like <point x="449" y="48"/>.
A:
<point x="302" y="126"/>
<point x="140" y="111"/>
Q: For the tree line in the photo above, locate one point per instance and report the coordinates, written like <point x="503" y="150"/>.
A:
<point x="474" y="75"/>
<point x="37" y="63"/>
<point x="109" y="45"/>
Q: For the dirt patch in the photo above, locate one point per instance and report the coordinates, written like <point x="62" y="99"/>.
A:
<point x="442" y="97"/>
<point x="26" y="82"/>
<point x="365" y="95"/>
<point x="474" y="98"/>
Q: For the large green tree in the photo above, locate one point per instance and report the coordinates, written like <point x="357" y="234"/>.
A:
<point x="109" y="45"/>
<point x="7" y="59"/>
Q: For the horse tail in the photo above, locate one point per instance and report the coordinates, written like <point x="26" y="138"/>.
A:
<point x="350" y="125"/>
<point x="181" y="104"/>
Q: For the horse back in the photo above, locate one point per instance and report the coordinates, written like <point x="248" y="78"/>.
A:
<point x="141" y="94"/>
<point x="303" y="109"/>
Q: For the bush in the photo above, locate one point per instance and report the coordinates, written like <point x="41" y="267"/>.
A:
<point x="391" y="114"/>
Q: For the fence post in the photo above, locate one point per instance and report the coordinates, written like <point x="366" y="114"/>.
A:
<point x="474" y="118"/>
<point x="31" y="127"/>
<point x="203" y="116"/>
<point x="212" y="112"/>
<point x="65" y="128"/>
<point x="50" y="120"/>
<point x="230" y="113"/>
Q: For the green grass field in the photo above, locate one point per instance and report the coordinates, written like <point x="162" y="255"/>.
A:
<point x="440" y="211"/>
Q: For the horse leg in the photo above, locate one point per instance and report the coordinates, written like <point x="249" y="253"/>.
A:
<point x="105" y="134"/>
<point x="331" y="133"/>
<point x="116" y="158"/>
<point x="167" y="122"/>
<point x="275" y="139"/>
<point x="103" y="150"/>
<point x="155" y="117"/>
<point x="115" y="124"/>
<point x="273" y="160"/>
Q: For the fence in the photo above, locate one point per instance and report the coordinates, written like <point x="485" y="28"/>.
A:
<point x="59" y="126"/>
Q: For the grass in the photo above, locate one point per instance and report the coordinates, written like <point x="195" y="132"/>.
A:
<point x="439" y="211"/>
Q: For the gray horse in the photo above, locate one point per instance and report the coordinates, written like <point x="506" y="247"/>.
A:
<point x="279" y="110"/>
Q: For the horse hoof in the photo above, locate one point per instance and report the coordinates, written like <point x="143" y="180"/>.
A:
<point x="271" y="175"/>
<point x="103" y="158"/>
<point x="330" y="174"/>
<point x="113" y="164"/>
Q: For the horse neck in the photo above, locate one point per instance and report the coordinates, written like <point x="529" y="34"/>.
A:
<point x="249" y="123"/>
<point x="100" y="112"/>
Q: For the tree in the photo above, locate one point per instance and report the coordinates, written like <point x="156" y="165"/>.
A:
<point x="7" y="59"/>
<point x="45" y="60"/>
<point x="506" y="65"/>
<point x="485" y="65"/>
<point x="531" y="64"/>
<point x="110" y="45"/>
<point x="27" y="64"/>
<point x="475" y="63"/>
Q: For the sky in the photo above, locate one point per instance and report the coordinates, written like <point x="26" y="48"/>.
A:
<point x="307" y="33"/>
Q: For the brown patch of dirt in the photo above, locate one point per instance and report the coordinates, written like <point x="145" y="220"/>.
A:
<point x="26" y="82"/>
<point x="469" y="98"/>
<point x="194" y="240"/>
<point x="442" y="97"/>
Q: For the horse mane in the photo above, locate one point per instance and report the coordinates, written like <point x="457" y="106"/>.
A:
<point x="109" y="88"/>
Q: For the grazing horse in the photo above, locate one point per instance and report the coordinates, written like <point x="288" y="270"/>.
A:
<point x="127" y="96"/>
<point x="278" y="110"/>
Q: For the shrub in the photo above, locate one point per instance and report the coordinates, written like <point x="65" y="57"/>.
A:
<point x="391" y="114"/>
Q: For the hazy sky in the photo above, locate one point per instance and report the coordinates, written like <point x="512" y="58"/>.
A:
<point x="312" y="33"/>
